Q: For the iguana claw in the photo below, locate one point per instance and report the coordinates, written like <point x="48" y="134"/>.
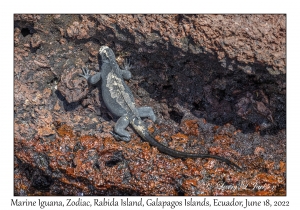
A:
<point x="86" y="73"/>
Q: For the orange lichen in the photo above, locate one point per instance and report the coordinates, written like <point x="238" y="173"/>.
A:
<point x="46" y="130"/>
<point x="223" y="139"/>
<point x="70" y="171"/>
<point x="151" y="129"/>
<point x="282" y="166"/>
<point x="90" y="142"/>
<point x="259" y="150"/>
<point x="266" y="178"/>
<point x="189" y="182"/>
<point x="179" y="137"/>
<point x="190" y="127"/>
<point x="65" y="130"/>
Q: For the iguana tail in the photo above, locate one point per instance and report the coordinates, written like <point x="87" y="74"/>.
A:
<point x="141" y="129"/>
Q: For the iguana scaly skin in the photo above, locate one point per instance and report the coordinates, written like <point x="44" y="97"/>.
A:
<point x="119" y="99"/>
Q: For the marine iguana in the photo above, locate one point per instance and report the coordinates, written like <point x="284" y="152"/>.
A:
<point x="119" y="100"/>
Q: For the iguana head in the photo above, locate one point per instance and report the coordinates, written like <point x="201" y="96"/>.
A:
<point x="107" y="54"/>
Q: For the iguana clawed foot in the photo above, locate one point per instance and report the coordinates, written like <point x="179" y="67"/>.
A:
<point x="127" y="65"/>
<point x="119" y="138"/>
<point x="86" y="73"/>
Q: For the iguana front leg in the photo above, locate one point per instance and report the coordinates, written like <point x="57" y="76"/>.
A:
<point x="91" y="79"/>
<point x="126" y="74"/>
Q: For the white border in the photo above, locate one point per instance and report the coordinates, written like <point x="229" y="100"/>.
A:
<point x="154" y="6"/>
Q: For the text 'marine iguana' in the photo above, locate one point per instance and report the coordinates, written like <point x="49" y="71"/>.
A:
<point x="119" y="100"/>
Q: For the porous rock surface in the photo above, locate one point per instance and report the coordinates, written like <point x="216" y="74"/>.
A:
<point x="216" y="83"/>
